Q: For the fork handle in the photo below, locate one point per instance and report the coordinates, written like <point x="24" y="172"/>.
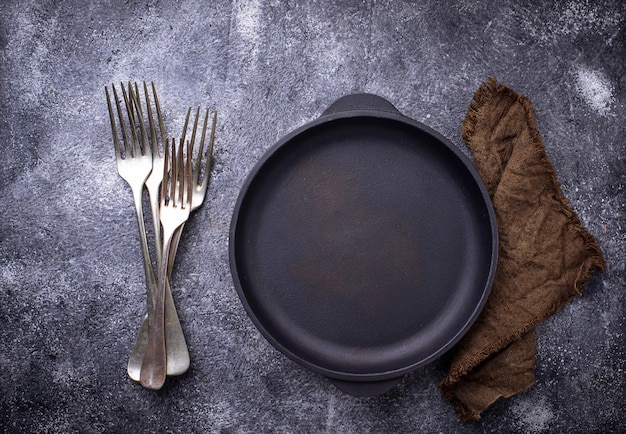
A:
<point x="154" y="365"/>
<point x="151" y="283"/>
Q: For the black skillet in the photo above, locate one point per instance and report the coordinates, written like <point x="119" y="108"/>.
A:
<point x="363" y="245"/>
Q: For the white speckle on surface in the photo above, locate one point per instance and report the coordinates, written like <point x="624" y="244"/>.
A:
<point x="331" y="413"/>
<point x="34" y="39"/>
<point x="11" y="273"/>
<point x="533" y="415"/>
<point x="596" y="89"/>
<point x="581" y="15"/>
<point x="247" y="19"/>
<point x="65" y="373"/>
<point x="572" y="19"/>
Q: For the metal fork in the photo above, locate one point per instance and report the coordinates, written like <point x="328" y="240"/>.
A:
<point x="176" y="192"/>
<point x="199" y="184"/>
<point x="134" y="164"/>
<point x="200" y="188"/>
<point x="178" y="360"/>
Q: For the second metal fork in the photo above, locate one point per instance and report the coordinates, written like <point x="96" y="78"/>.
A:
<point x="176" y="190"/>
<point x="199" y="185"/>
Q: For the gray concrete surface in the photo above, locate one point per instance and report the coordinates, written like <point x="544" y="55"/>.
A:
<point x="71" y="286"/>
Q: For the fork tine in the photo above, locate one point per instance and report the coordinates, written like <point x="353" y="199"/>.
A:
<point x="196" y="172"/>
<point x="176" y="164"/>
<point x="116" y="141"/>
<point x="128" y="100"/>
<point x="158" y="111"/>
<point x="166" y="172"/>
<point x="120" y="116"/>
<point x="156" y="142"/>
<point x="183" y="183"/>
<point x="144" y="144"/>
<point x="195" y="128"/>
<point x="153" y="135"/>
<point x="182" y="138"/>
<point x="188" y="172"/>
<point x="209" y="156"/>
<point x="182" y="174"/>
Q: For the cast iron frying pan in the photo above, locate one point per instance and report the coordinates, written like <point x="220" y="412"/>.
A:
<point x="363" y="245"/>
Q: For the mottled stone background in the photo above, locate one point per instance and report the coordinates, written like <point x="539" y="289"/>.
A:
<point x="71" y="286"/>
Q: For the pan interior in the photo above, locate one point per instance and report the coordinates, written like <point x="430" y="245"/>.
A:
<point x="362" y="246"/>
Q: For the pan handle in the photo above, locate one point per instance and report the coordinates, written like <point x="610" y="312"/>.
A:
<point x="360" y="101"/>
<point x="365" y="388"/>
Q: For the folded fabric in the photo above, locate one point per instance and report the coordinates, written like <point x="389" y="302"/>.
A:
<point x="545" y="255"/>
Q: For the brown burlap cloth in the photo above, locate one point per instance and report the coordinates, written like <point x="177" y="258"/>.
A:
<point x="545" y="255"/>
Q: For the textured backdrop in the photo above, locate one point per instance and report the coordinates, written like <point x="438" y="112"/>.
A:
<point x="71" y="285"/>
